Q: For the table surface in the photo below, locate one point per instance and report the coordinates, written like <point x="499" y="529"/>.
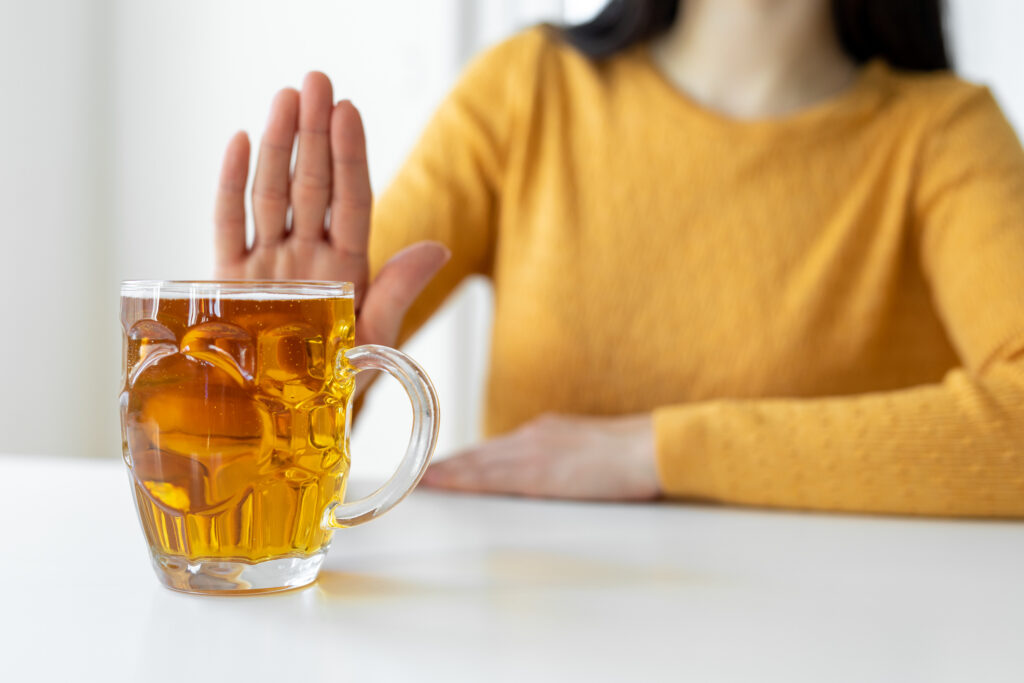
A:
<point x="456" y="587"/>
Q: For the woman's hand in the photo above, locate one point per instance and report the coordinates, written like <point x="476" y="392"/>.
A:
<point x="330" y="200"/>
<point x="556" y="456"/>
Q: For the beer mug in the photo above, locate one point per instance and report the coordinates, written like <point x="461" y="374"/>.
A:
<point x="235" y="415"/>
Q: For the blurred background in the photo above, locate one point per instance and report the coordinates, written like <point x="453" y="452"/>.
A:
<point x="114" y="117"/>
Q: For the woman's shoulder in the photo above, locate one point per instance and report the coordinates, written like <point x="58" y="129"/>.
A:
<point x="533" y="68"/>
<point x="934" y="95"/>
<point x="959" y="122"/>
<point x="533" y="49"/>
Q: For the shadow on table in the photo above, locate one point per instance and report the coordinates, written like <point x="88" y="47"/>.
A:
<point x="497" y="571"/>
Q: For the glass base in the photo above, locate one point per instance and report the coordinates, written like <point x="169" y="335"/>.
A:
<point x="234" y="577"/>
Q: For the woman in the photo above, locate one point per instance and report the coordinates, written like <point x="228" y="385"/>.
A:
<point x="753" y="252"/>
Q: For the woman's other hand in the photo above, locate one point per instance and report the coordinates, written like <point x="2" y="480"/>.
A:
<point x="330" y="200"/>
<point x="556" y="456"/>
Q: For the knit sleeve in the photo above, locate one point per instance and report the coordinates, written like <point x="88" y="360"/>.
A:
<point x="448" y="190"/>
<point x="953" y="448"/>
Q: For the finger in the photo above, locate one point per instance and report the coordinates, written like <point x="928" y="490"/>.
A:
<point x="311" y="182"/>
<point x="456" y="472"/>
<point x="270" y="187"/>
<point x="396" y="286"/>
<point x="482" y="469"/>
<point x="229" y="209"/>
<point x="351" y="198"/>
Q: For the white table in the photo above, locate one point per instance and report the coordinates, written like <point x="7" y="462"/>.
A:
<point x="452" y="588"/>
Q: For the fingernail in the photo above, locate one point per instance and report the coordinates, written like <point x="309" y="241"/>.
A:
<point x="444" y="249"/>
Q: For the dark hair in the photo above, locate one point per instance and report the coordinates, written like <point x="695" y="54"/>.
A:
<point x="908" y="34"/>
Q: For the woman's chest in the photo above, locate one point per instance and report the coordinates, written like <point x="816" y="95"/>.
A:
<point x="756" y="277"/>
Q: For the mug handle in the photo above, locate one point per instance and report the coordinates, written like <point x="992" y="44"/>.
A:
<point x="425" y="411"/>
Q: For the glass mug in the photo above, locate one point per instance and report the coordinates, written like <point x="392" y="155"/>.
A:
<point x="235" y="421"/>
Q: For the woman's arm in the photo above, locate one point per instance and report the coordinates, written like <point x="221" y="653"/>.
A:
<point x="449" y="189"/>
<point x="953" y="448"/>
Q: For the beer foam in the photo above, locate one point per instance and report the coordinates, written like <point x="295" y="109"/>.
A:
<point x="240" y="291"/>
<point x="242" y="296"/>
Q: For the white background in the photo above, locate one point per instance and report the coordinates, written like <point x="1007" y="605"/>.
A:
<point x="114" y="115"/>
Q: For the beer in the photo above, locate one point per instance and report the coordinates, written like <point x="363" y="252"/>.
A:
<point x="234" y="421"/>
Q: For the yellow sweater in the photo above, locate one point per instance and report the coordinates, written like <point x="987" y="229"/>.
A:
<point x="824" y="310"/>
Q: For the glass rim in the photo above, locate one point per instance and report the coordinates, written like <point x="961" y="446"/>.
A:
<point x="304" y="289"/>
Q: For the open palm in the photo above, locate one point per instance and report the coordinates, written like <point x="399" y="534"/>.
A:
<point x="329" y="195"/>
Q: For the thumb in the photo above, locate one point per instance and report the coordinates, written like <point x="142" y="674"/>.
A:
<point x="394" y="289"/>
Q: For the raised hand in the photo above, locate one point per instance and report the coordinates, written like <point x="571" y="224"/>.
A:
<point x="330" y="200"/>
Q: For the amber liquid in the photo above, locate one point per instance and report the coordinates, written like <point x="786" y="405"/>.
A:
<point x="234" y="422"/>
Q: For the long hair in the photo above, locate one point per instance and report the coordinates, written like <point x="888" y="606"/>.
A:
<point x="908" y="34"/>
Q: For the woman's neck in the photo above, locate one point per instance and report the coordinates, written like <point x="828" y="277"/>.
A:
<point x="753" y="59"/>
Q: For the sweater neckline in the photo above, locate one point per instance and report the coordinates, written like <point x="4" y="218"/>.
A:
<point x="859" y="96"/>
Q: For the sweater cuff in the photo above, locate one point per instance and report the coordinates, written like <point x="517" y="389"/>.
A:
<point x="685" y="450"/>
